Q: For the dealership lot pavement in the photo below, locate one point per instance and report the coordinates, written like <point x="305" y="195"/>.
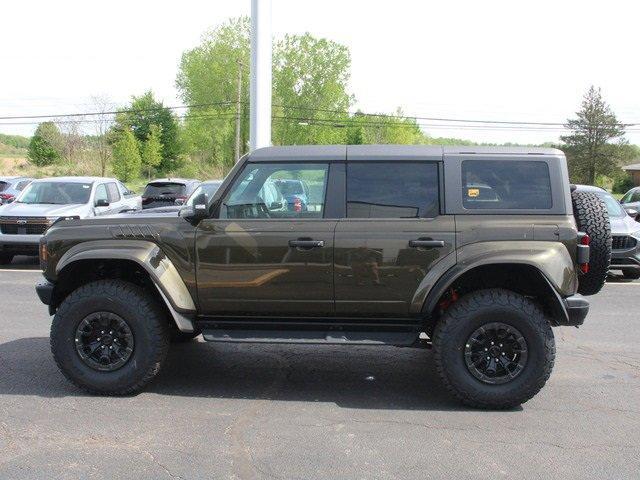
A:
<point x="251" y="411"/>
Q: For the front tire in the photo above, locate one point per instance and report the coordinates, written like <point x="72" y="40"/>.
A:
<point x="465" y="358"/>
<point x="109" y="337"/>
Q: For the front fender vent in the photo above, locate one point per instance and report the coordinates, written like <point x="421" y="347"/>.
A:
<point x="137" y="232"/>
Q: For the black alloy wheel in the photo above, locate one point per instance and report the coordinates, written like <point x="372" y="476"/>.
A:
<point x="104" y="341"/>
<point x="495" y="353"/>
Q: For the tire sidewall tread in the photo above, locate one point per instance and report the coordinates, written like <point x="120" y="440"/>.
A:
<point x="148" y="324"/>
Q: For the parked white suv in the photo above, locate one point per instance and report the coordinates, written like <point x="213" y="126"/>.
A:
<point x="42" y="202"/>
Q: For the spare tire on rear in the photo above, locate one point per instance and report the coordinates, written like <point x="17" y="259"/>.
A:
<point x="592" y="218"/>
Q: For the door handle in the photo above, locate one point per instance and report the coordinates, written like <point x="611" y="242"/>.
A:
<point x="424" y="243"/>
<point x="306" y="243"/>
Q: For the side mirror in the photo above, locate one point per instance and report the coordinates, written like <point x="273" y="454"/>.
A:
<point x="102" y="203"/>
<point x="196" y="212"/>
<point x="633" y="213"/>
<point x="275" y="205"/>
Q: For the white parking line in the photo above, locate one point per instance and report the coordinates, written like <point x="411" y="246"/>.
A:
<point x="19" y="270"/>
<point x="627" y="284"/>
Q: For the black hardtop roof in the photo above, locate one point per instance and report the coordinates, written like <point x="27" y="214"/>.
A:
<point x="310" y="153"/>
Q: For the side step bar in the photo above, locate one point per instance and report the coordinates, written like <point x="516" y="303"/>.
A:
<point x="312" y="337"/>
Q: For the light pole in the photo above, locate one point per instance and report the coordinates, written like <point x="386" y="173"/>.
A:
<point x="260" y="82"/>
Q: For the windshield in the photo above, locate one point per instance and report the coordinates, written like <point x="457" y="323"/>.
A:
<point x="613" y="207"/>
<point x="56" y="193"/>
<point x="160" y="189"/>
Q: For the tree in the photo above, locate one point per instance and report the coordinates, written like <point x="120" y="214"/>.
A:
<point x="45" y="146"/>
<point x="208" y="77"/>
<point x="145" y="111"/>
<point x="126" y="155"/>
<point x="152" y="149"/>
<point x="596" y="143"/>
<point x="101" y="123"/>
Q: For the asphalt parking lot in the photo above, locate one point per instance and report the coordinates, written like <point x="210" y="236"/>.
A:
<point x="305" y="412"/>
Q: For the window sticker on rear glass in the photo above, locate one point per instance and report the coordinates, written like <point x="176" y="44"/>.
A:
<point x="473" y="192"/>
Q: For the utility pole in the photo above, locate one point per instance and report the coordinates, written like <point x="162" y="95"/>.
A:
<point x="260" y="82"/>
<point x="238" y="109"/>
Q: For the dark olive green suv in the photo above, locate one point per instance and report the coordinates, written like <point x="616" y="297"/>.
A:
<point x="474" y="252"/>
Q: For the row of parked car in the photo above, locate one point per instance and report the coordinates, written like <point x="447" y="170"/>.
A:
<point x="29" y="206"/>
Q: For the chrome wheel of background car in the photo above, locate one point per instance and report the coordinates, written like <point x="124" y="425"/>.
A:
<point x="104" y="341"/>
<point x="496" y="353"/>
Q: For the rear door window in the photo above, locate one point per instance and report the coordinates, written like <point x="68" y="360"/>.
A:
<point x="392" y="190"/>
<point x="500" y="184"/>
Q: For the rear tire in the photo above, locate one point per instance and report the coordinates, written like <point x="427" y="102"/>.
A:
<point x="592" y="218"/>
<point x="145" y="323"/>
<point x="6" y="258"/>
<point x="456" y="334"/>
<point x="631" y="274"/>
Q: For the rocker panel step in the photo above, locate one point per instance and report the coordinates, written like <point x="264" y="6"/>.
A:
<point x="312" y="337"/>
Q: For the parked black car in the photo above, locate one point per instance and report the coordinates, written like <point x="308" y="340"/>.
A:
<point x="164" y="192"/>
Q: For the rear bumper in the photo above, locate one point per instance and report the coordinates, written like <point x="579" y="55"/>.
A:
<point x="577" y="308"/>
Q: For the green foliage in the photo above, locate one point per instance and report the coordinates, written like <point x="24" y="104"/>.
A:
<point x="596" y="145"/>
<point x="152" y="149"/>
<point x="622" y="183"/>
<point x="208" y="75"/>
<point x="126" y="156"/>
<point x="146" y="111"/>
<point x="17" y="141"/>
<point x="45" y="147"/>
<point x="310" y="97"/>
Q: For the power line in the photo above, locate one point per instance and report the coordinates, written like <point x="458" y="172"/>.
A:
<point x="352" y="113"/>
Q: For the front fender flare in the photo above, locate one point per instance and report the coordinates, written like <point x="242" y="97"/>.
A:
<point x="152" y="259"/>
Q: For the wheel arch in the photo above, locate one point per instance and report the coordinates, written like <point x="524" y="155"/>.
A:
<point x="520" y="277"/>
<point x="140" y="262"/>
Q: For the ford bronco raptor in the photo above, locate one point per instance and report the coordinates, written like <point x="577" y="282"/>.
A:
<point x="474" y="252"/>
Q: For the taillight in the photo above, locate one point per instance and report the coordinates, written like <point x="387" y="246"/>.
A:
<point x="297" y="205"/>
<point x="583" y="252"/>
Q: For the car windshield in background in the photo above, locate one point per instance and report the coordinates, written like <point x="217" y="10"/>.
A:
<point x="613" y="207"/>
<point x="164" y="189"/>
<point x="56" y="193"/>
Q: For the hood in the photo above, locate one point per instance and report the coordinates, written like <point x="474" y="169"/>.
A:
<point x="150" y="213"/>
<point x="43" y="210"/>
<point x="623" y="225"/>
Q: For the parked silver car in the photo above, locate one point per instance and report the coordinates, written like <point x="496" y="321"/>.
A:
<point x="625" y="230"/>
<point x="44" y="201"/>
<point x="10" y="187"/>
<point x="631" y="200"/>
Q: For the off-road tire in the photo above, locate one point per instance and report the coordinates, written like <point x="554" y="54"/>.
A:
<point x="148" y="324"/>
<point x="6" y="258"/>
<point x="631" y="274"/>
<point x="592" y="218"/>
<point x="470" y="313"/>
